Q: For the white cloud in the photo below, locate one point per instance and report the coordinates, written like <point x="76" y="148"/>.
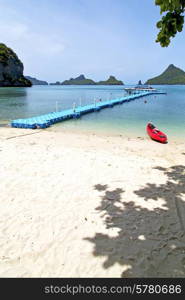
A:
<point x="40" y="43"/>
<point x="12" y="32"/>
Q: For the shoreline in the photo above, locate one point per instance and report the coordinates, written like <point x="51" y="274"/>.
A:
<point x="79" y="205"/>
<point x="130" y="135"/>
<point x="7" y="132"/>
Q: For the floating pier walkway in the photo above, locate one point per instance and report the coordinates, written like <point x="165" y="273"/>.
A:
<point x="47" y="120"/>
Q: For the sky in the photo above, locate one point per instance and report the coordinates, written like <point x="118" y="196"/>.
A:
<point x="59" y="39"/>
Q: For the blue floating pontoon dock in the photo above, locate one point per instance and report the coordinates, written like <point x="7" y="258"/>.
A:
<point x="47" y="120"/>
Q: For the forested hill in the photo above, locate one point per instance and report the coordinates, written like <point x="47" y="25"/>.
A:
<point x="172" y="75"/>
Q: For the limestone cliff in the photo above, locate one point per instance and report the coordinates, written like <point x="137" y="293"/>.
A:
<point x="11" y="69"/>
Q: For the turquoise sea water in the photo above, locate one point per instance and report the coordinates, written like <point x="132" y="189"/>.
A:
<point x="167" y="112"/>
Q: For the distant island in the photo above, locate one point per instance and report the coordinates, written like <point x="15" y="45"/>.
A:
<point x="139" y="82"/>
<point x="81" y="80"/>
<point x="110" y="81"/>
<point x="172" y="75"/>
<point x="36" y="81"/>
<point x="11" y="69"/>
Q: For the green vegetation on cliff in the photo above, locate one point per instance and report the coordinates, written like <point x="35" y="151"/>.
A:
<point x="11" y="68"/>
<point x="7" y="53"/>
<point x="172" y="75"/>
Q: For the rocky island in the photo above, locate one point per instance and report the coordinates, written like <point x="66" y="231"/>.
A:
<point x="36" y="81"/>
<point x="11" y="69"/>
<point x="55" y="83"/>
<point x="81" y="80"/>
<point x="110" y="81"/>
<point x="172" y="75"/>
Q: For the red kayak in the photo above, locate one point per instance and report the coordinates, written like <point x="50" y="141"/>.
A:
<point x="155" y="133"/>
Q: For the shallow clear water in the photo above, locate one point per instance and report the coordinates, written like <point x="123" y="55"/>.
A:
<point x="166" y="111"/>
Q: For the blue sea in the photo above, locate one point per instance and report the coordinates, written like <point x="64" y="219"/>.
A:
<point x="167" y="112"/>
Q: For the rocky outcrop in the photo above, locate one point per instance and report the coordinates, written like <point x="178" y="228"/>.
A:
<point x="11" y="69"/>
<point x="36" y="81"/>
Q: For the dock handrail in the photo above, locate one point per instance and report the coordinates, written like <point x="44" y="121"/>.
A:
<point x="46" y="120"/>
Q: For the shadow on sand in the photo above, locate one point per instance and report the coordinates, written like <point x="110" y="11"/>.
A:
<point x="150" y="242"/>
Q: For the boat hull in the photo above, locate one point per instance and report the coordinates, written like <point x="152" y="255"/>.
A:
<point x="156" y="134"/>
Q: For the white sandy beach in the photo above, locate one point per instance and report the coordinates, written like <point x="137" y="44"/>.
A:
<point x="78" y="205"/>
